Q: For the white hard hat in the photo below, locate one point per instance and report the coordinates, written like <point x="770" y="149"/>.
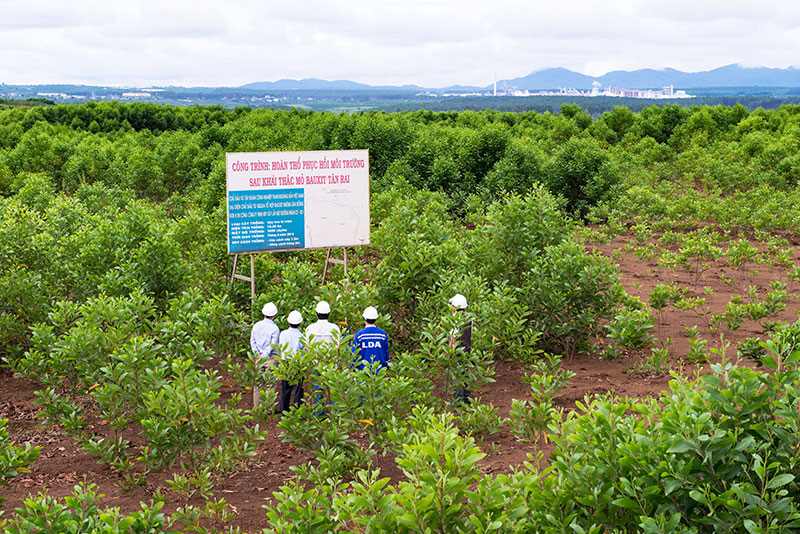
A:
<point x="322" y="307"/>
<point x="459" y="301"/>
<point x="295" y="317"/>
<point x="370" y="313"/>
<point x="269" y="310"/>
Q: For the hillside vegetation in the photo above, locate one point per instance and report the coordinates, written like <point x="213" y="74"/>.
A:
<point x="115" y="297"/>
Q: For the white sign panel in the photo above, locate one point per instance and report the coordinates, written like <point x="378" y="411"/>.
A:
<point x="297" y="200"/>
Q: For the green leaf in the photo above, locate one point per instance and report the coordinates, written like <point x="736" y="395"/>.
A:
<point x="360" y="502"/>
<point x="769" y="362"/>
<point x="780" y="480"/>
<point x="473" y="458"/>
<point x="671" y="485"/>
<point x="712" y="380"/>
<point x="731" y="503"/>
<point x="699" y="497"/>
<point x="125" y="523"/>
<point x="680" y="447"/>
<point x="625" y="502"/>
<point x="745" y="443"/>
<point x="792" y="358"/>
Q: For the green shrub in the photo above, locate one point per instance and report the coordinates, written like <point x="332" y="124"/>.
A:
<point x="182" y="420"/>
<point x="36" y="191"/>
<point x="530" y="418"/>
<point x="656" y="363"/>
<point x="517" y="172"/>
<point x="582" y="173"/>
<point x="504" y="324"/>
<point x="570" y="292"/>
<point x="79" y="337"/>
<point x="341" y="400"/>
<point x="514" y="231"/>
<point x="21" y="304"/>
<point x="785" y="340"/>
<point x="157" y="265"/>
<point x="417" y="245"/>
<point x="719" y="453"/>
<point x="13" y="459"/>
<point x="698" y="353"/>
<point x="751" y="349"/>
<point x="479" y="420"/>
<point x="441" y="471"/>
<point x="630" y="330"/>
<point x="194" y="315"/>
<point x="80" y="512"/>
<point x="714" y="454"/>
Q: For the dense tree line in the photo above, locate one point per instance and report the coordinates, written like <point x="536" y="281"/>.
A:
<point x="595" y="106"/>
<point x="115" y="288"/>
<point x="665" y="163"/>
<point x="161" y="150"/>
<point x="108" y="117"/>
<point x="27" y="102"/>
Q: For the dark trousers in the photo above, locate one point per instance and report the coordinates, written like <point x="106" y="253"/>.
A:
<point x="290" y="393"/>
<point x="462" y="395"/>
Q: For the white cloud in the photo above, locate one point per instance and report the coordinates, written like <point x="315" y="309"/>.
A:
<point x="394" y="42"/>
<point x="33" y="14"/>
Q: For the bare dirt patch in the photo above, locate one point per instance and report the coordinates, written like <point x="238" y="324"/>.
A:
<point x="63" y="463"/>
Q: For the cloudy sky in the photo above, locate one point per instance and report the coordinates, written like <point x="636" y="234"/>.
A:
<point x="432" y="43"/>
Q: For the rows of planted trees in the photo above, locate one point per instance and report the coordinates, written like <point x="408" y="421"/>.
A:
<point x="115" y="297"/>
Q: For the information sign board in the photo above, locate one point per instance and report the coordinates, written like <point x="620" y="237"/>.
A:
<point x="297" y="200"/>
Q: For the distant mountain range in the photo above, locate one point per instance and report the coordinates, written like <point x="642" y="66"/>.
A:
<point x="730" y="79"/>
<point x="727" y="76"/>
<point x="315" y="84"/>
<point x="556" y="78"/>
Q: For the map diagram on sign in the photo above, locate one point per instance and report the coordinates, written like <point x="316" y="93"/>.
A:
<point x="297" y="200"/>
<point x="340" y="220"/>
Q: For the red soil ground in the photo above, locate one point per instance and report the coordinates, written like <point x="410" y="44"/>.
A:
<point x="63" y="463"/>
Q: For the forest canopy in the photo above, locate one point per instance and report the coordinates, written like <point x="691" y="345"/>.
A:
<point x="116" y="299"/>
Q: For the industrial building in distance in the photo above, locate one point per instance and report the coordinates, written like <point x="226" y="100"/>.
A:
<point x="667" y="91"/>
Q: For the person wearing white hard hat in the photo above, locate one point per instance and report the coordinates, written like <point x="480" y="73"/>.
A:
<point x="322" y="330"/>
<point x="371" y="343"/>
<point x="458" y="302"/>
<point x="461" y="338"/>
<point x="263" y="340"/>
<point x="290" y="339"/>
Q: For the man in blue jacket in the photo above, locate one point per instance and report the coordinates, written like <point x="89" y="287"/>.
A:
<point x="371" y="342"/>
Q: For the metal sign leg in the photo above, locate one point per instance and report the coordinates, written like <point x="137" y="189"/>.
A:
<point x="251" y="278"/>
<point x="329" y="260"/>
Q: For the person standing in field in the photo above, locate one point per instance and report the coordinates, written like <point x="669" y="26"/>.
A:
<point x="372" y="343"/>
<point x="462" y="339"/>
<point x="290" y="343"/>
<point x="322" y="330"/>
<point x="263" y="340"/>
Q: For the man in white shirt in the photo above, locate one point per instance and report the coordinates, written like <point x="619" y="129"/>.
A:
<point x="322" y="330"/>
<point x="263" y="340"/>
